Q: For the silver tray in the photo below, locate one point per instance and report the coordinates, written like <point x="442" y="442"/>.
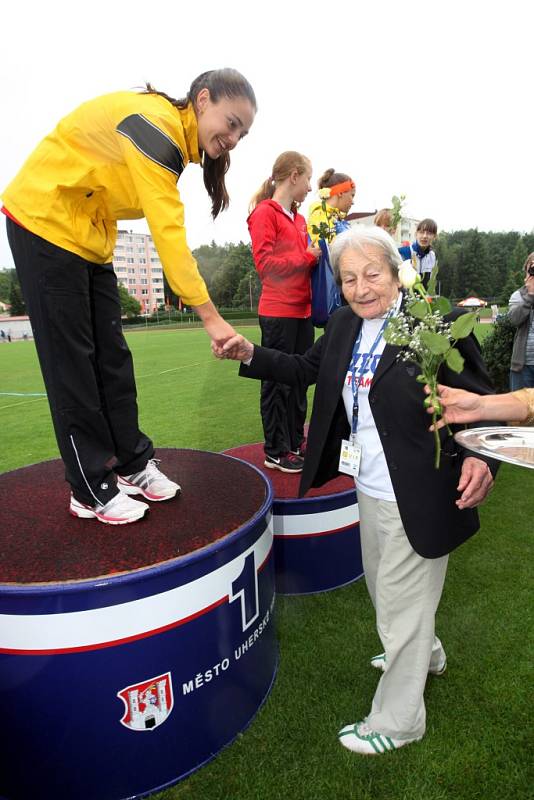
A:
<point x="511" y="444"/>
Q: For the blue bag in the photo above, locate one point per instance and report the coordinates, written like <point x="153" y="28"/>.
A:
<point x="325" y="294"/>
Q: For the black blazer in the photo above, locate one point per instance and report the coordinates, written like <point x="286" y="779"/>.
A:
<point x="425" y="496"/>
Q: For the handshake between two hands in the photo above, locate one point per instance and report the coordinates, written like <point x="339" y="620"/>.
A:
<point x="236" y="348"/>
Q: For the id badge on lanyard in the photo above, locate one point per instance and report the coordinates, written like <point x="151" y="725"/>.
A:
<point x="350" y="457"/>
<point x="351" y="450"/>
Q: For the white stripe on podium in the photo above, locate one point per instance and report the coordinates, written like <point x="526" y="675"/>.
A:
<point x="102" y="626"/>
<point x="313" y="524"/>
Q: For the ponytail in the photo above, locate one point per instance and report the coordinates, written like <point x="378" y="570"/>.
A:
<point x="331" y="178"/>
<point x="282" y="169"/>
<point x="265" y="192"/>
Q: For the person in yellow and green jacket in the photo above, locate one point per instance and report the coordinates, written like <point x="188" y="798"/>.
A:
<point x="116" y="157"/>
<point x="326" y="217"/>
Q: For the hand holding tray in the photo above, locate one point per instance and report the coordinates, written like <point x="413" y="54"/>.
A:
<point x="511" y="444"/>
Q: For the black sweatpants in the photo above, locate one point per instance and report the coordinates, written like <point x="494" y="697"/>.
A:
<point x="87" y="367"/>
<point x="283" y="408"/>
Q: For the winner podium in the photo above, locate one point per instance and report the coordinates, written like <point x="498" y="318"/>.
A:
<point x="131" y="655"/>
<point x="316" y="537"/>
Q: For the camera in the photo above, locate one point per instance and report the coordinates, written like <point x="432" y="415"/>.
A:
<point x="530" y="270"/>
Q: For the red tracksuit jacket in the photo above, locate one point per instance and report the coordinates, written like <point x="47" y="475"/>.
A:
<point x="279" y="247"/>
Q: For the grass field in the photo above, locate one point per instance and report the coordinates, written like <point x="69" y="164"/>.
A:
<point x="186" y="397"/>
<point x="478" y="742"/>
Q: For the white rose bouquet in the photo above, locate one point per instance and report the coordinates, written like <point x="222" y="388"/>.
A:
<point x="426" y="338"/>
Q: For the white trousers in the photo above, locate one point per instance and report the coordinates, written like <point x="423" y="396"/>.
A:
<point x="405" y="589"/>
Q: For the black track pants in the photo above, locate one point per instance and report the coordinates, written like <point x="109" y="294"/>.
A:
<point x="87" y="367"/>
<point x="283" y="408"/>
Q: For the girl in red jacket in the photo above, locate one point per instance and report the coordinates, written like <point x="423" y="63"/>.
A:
<point x="284" y="262"/>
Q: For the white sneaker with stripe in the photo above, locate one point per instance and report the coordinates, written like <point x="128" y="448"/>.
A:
<point x="118" y="511"/>
<point x="379" y="662"/>
<point x="150" y="482"/>
<point x="359" y="738"/>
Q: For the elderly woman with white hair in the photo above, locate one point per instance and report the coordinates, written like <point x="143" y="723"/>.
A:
<point x="369" y="420"/>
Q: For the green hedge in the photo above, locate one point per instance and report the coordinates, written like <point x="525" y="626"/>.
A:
<point x="497" y="352"/>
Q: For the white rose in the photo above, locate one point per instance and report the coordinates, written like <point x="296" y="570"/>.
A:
<point x="324" y="194"/>
<point x="408" y="276"/>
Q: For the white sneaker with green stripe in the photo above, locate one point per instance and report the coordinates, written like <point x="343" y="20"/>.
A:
<point x="361" y="739"/>
<point x="379" y="662"/>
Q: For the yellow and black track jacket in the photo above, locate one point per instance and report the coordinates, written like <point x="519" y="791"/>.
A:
<point x="316" y="215"/>
<point x="116" y="157"/>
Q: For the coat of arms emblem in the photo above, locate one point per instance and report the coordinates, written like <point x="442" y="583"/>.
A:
<point x="148" y="704"/>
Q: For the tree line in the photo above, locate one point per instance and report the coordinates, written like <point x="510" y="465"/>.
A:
<point x="10" y="292"/>
<point x="229" y="273"/>
<point x="471" y="262"/>
<point x="488" y="265"/>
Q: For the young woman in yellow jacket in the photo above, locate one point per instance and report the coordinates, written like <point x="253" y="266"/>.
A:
<point x="337" y="192"/>
<point x="116" y="157"/>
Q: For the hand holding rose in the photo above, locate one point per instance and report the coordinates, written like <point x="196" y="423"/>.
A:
<point x="459" y="406"/>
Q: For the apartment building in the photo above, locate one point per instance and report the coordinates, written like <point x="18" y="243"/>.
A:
<point x="138" y="268"/>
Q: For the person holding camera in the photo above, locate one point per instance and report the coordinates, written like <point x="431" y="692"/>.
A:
<point x="521" y="315"/>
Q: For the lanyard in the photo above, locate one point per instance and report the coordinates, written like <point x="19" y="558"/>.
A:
<point x="362" y="370"/>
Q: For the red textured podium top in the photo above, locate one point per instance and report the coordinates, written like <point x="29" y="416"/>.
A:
<point x="41" y="543"/>
<point x="285" y="485"/>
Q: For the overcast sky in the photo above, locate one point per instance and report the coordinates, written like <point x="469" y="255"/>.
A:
<point x="433" y="100"/>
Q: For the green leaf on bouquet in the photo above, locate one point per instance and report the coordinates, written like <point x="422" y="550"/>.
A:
<point x="463" y="326"/>
<point x="435" y="342"/>
<point x="454" y="360"/>
<point x="431" y="288"/>
<point x="418" y="310"/>
<point x="441" y="304"/>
